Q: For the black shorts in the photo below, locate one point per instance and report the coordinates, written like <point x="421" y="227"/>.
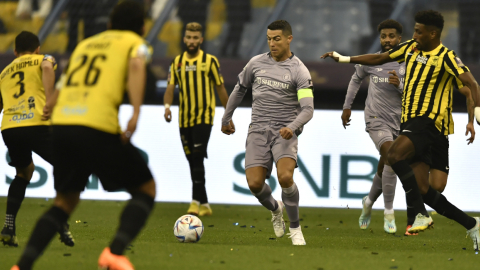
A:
<point x="80" y="151"/>
<point x="195" y="139"/>
<point x="440" y="154"/>
<point x="423" y="133"/>
<point x="22" y="141"/>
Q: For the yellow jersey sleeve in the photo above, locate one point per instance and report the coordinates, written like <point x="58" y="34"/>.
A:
<point x="454" y="65"/>
<point x="215" y="71"/>
<point x="171" y="74"/>
<point x="458" y="84"/>
<point x="50" y="59"/>
<point x="398" y="53"/>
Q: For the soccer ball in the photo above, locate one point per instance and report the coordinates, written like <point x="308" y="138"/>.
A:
<point x="188" y="229"/>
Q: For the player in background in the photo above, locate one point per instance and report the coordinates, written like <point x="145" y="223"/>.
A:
<point x="27" y="95"/>
<point x="282" y="104"/>
<point x="196" y="73"/>
<point x="88" y="138"/>
<point x="383" y="108"/>
<point x="430" y="71"/>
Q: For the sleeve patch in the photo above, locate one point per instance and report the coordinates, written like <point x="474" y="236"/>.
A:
<point x="459" y="62"/>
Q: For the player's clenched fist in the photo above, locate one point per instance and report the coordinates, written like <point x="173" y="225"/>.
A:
<point x="393" y="79"/>
<point x="286" y="133"/>
<point x="229" y="129"/>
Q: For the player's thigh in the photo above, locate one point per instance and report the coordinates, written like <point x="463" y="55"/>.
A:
<point x="200" y="137"/>
<point x="186" y="135"/>
<point x="379" y="133"/>
<point x="118" y="165"/>
<point x="17" y="141"/>
<point x="421" y="132"/>
<point x="258" y="152"/>
<point x="72" y="149"/>
<point x="42" y="145"/>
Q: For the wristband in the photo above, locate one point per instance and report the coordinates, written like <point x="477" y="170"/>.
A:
<point x="167" y="106"/>
<point x="341" y="58"/>
<point x="477" y="114"/>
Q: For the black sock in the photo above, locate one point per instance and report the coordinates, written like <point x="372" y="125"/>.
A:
<point x="410" y="214"/>
<point x="16" y="194"/>
<point x="132" y="220"/>
<point x="46" y="228"/>
<point x="409" y="182"/>
<point x="199" y="192"/>
<point x="437" y="201"/>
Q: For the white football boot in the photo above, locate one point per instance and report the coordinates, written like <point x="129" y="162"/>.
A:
<point x="297" y="236"/>
<point x="474" y="234"/>
<point x="277" y="220"/>
<point x="366" y="216"/>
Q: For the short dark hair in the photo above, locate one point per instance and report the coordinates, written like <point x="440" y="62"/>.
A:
<point x="26" y="42"/>
<point x="128" y="15"/>
<point x="430" y="18"/>
<point x="390" y="24"/>
<point x="194" y="27"/>
<point x="281" y="25"/>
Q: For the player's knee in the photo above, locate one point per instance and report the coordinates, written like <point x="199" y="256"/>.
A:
<point x="255" y="186"/>
<point x="423" y="188"/>
<point x="26" y="172"/>
<point x="440" y="187"/>
<point x="285" y="179"/>
<point x="393" y="156"/>
<point x="148" y="188"/>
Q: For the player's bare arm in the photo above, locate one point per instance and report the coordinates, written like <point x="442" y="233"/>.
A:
<point x="470" y="109"/>
<point x="469" y="81"/>
<point x="223" y="96"/>
<point x="48" y="80"/>
<point x="136" y="87"/>
<point x="366" y="59"/>
<point x="167" y="100"/>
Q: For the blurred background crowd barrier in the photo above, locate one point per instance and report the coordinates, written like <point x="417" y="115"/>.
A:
<point x="235" y="31"/>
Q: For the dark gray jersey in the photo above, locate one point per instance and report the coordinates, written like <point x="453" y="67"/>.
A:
<point x="384" y="100"/>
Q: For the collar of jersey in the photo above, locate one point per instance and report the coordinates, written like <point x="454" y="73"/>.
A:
<point x="434" y="51"/>
<point x="270" y="55"/>
<point x="195" y="58"/>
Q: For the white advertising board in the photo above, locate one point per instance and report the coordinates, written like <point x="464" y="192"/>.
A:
<point x="336" y="165"/>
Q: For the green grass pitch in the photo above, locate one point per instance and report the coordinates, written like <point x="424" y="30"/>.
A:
<point x="333" y="238"/>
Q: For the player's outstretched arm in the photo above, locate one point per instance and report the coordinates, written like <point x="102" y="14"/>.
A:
<point x="469" y="81"/>
<point x="167" y="101"/>
<point x="470" y="109"/>
<point x="366" y="59"/>
<point x="137" y="76"/>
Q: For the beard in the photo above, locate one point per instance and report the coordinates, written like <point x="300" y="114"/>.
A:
<point x="386" y="50"/>
<point x="193" y="50"/>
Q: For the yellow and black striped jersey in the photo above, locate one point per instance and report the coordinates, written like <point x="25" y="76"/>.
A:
<point x="196" y="79"/>
<point x="95" y="81"/>
<point x="447" y="124"/>
<point x="429" y="78"/>
<point x="23" y="95"/>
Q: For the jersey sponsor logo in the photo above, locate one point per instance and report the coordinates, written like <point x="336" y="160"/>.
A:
<point x="20" y="117"/>
<point x="77" y="110"/>
<point x="421" y="59"/>
<point x="275" y="84"/>
<point x="401" y="71"/>
<point x="379" y="69"/>
<point x="191" y="68"/>
<point x="31" y="103"/>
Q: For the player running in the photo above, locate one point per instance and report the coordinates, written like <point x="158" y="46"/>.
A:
<point x="382" y="119"/>
<point x="282" y="104"/>
<point x="88" y="139"/>
<point x="27" y="95"/>
<point x="430" y="71"/>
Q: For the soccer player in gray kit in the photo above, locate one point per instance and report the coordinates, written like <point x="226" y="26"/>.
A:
<point x="282" y="104"/>
<point x="383" y="109"/>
